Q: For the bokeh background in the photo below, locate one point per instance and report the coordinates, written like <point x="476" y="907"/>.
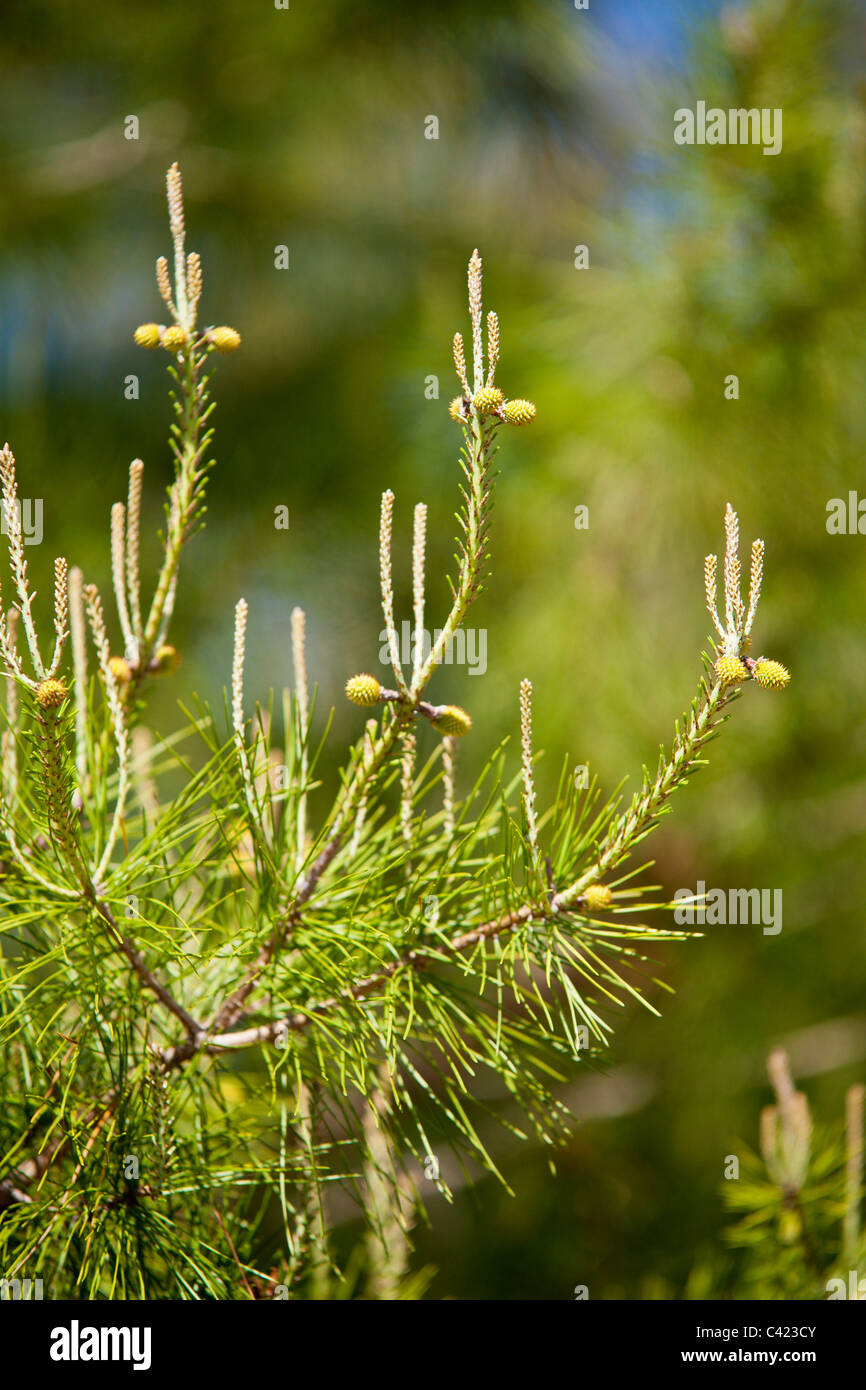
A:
<point x="305" y="127"/>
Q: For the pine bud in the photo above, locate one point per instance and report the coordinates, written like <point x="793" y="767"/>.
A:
<point x="457" y="408"/>
<point x="165" y="662"/>
<point x="772" y="675"/>
<point x="147" y="335"/>
<point x="730" y="670"/>
<point x="488" y="400"/>
<point x="173" y="339"/>
<point x="50" y="693"/>
<point x="597" y="897"/>
<point x="363" y="690"/>
<point x="120" y="669"/>
<point x="224" y="339"/>
<point x="452" y="720"/>
<point x="519" y="412"/>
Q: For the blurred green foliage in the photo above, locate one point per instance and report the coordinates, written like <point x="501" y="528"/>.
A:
<point x="306" y="128"/>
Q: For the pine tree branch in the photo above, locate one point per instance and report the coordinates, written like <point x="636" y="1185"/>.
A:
<point x="626" y="831"/>
<point x="480" y="438"/>
<point x="703" y="720"/>
<point x="189" y="446"/>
